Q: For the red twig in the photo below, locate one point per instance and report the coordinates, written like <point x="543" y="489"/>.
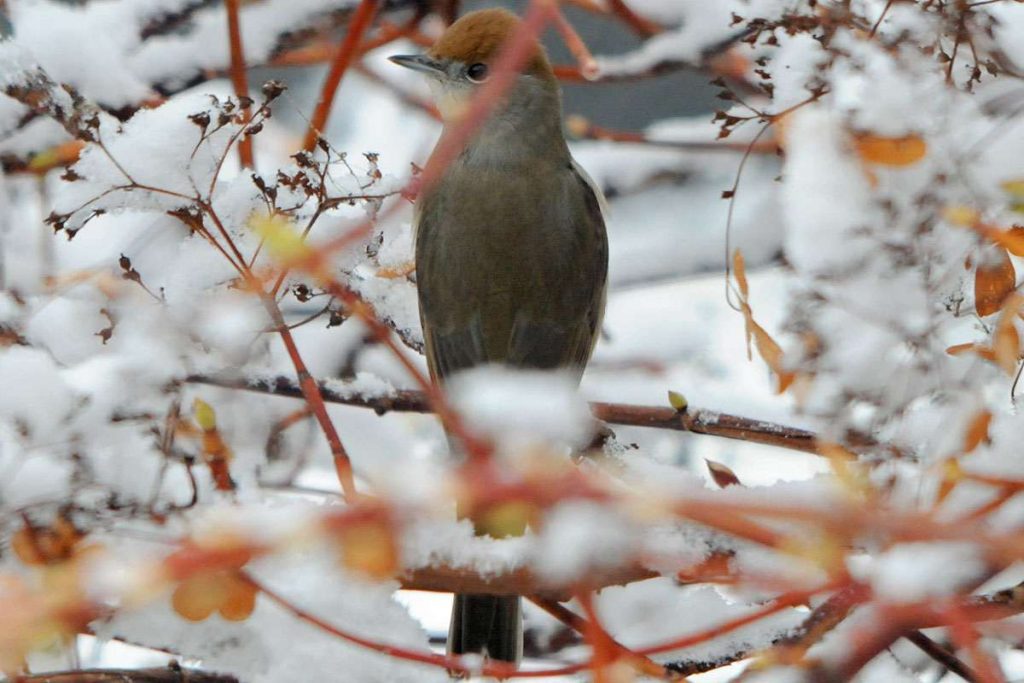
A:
<point x="453" y="664"/>
<point x="588" y="65"/>
<point x="965" y="636"/>
<point x="315" y="400"/>
<point x="604" y="652"/>
<point x="640" y="26"/>
<point x="780" y="603"/>
<point x="476" y="450"/>
<point x="646" y="665"/>
<point x="239" y="79"/>
<point x="359" y="24"/>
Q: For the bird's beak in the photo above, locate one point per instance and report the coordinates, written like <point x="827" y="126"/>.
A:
<point x="421" y="63"/>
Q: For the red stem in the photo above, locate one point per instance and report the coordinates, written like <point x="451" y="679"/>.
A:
<point x="315" y="400"/>
<point x="965" y="636"/>
<point x="238" y="78"/>
<point x="572" y="40"/>
<point x="361" y="20"/>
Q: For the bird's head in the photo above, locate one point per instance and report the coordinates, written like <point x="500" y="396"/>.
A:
<point x="463" y="57"/>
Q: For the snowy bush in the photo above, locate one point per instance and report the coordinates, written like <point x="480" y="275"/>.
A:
<point x="219" y="442"/>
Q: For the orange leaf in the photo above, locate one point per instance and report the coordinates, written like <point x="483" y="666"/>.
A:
<point x="951" y="476"/>
<point x="239" y="602"/>
<point x="977" y="431"/>
<point x="771" y="352"/>
<point x="993" y="283"/>
<point x="722" y="475"/>
<point x="748" y="318"/>
<point x="60" y="155"/>
<point x="1006" y="346"/>
<point x="740" y="272"/>
<point x="981" y="351"/>
<point x="1012" y="240"/>
<point x="395" y="272"/>
<point x="369" y="547"/>
<point x="845" y="467"/>
<point x="888" y="151"/>
<point x="46" y="545"/>
<point x="197" y="597"/>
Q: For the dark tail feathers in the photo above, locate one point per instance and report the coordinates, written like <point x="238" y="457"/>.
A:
<point x="491" y="625"/>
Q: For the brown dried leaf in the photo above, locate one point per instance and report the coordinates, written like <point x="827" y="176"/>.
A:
<point x="722" y="475"/>
<point x="993" y="283"/>
<point x="1006" y="346"/>
<point x="771" y="352"/>
<point x="748" y="318"/>
<point x="740" y="272"/>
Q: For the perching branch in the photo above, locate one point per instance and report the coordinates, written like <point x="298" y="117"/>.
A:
<point x="442" y="579"/>
<point x="698" y="421"/>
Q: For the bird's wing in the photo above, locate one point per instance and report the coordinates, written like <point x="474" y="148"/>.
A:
<point x="508" y="274"/>
<point x="602" y="201"/>
<point x="567" y="338"/>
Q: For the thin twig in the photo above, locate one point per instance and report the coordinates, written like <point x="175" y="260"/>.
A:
<point x="642" y="27"/>
<point x="361" y="20"/>
<point x="239" y="80"/>
<point x="942" y="655"/>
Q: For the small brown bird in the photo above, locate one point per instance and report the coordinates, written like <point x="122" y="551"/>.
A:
<point x="511" y="251"/>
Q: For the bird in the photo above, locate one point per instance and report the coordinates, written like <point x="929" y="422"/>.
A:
<point x="511" y="251"/>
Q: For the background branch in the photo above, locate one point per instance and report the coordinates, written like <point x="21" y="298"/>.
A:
<point x="168" y="674"/>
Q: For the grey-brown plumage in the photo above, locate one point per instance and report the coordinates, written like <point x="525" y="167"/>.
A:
<point x="507" y="274"/>
<point x="511" y="253"/>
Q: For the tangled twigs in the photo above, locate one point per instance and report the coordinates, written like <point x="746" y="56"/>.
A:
<point x="37" y="91"/>
<point x="693" y="420"/>
<point x="574" y="621"/>
<point x="823" y="619"/>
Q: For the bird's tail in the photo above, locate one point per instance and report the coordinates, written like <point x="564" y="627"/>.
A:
<point x="490" y="625"/>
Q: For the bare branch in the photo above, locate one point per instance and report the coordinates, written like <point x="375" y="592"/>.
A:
<point x="518" y="582"/>
<point x="693" y="420"/>
<point x="169" y="674"/>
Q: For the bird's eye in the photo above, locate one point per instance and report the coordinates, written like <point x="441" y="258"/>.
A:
<point x="477" y="72"/>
